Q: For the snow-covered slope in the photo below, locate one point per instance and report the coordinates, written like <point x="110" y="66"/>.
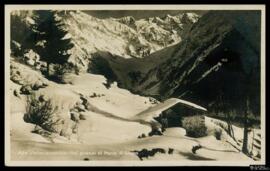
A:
<point x="109" y="123"/>
<point x="113" y="103"/>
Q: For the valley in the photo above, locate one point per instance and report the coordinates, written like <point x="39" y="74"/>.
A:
<point x="183" y="87"/>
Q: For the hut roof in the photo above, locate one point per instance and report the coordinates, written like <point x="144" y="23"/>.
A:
<point x="148" y="114"/>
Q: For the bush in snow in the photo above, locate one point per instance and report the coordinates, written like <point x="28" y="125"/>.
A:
<point x="195" y="126"/>
<point x="58" y="71"/>
<point x="218" y="133"/>
<point x="42" y="113"/>
<point x="26" y="89"/>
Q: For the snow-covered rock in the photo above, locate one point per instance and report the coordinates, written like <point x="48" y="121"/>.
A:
<point x="31" y="57"/>
<point x="21" y="75"/>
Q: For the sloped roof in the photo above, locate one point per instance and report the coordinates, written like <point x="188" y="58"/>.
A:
<point x="148" y="114"/>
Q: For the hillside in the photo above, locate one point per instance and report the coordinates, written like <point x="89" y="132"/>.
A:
<point x="106" y="131"/>
<point x="215" y="65"/>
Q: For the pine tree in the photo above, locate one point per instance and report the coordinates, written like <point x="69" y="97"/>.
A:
<point x="22" y="33"/>
<point x="52" y="48"/>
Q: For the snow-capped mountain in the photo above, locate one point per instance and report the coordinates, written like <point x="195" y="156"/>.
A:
<point x="125" y="37"/>
<point x="162" y="31"/>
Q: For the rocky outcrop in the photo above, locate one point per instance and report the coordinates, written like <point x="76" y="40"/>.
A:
<point x="24" y="75"/>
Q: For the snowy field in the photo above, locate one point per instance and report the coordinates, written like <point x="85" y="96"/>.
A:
<point x="109" y="131"/>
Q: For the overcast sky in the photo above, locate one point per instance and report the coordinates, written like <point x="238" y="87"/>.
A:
<point x="137" y="14"/>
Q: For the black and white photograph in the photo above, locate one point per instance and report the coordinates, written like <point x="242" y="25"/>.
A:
<point x="135" y="85"/>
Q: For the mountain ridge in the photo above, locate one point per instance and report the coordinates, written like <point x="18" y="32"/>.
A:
<point x="215" y="58"/>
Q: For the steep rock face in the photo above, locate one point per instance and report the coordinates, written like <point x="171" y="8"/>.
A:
<point x="217" y="64"/>
<point x="123" y="37"/>
<point x="162" y="31"/>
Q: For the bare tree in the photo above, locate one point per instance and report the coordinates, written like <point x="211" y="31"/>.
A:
<point x="246" y="121"/>
<point x="246" y="127"/>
